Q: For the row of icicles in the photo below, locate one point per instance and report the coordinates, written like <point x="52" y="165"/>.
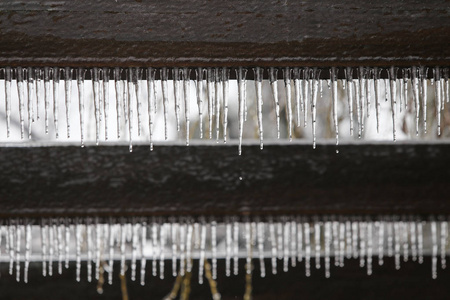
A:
<point x="128" y="99"/>
<point x="288" y="241"/>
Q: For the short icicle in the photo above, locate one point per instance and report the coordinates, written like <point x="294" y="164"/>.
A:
<point x="96" y="90"/>
<point x="415" y="93"/>
<point x="217" y="93"/>
<point x="315" y="85"/>
<point x="210" y="91"/>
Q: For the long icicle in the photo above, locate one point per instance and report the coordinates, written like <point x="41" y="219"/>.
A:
<point x="287" y="84"/>
<point x="151" y="102"/>
<point x="68" y="95"/>
<point x="217" y="90"/>
<point x="30" y="80"/>
<point x="393" y="82"/>
<point x="226" y="88"/>
<point x="241" y="74"/>
<point x="56" y="76"/>
<point x="20" y="91"/>
<point x="333" y="76"/>
<point x="117" y="72"/>
<point x="273" y="78"/>
<point x="259" y="102"/>
<point x="165" y="95"/>
<point x="199" y="74"/>
<point x="80" y="82"/>
<point x="105" y="73"/>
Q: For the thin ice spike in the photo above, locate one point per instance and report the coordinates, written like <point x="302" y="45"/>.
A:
<point x="137" y="77"/>
<point x="315" y="85"/>
<point x="117" y="72"/>
<point x="151" y="102"/>
<point x="217" y="90"/>
<point x="187" y="100"/>
<point x="80" y="83"/>
<point x="260" y="234"/>
<point x="27" y="252"/>
<point x="30" y="80"/>
<point x="96" y="87"/>
<point x="376" y="78"/>
<point x="235" y="247"/>
<point x="298" y="94"/>
<point x="423" y="78"/>
<point x="202" y="253"/>
<point x="349" y="79"/>
<point x="56" y="76"/>
<point x="434" y="249"/>
<point x="241" y="75"/>
<point x="199" y="87"/>
<point x="226" y="90"/>
<point x="438" y="97"/>
<point x="165" y="95"/>
<point x="46" y="96"/>
<point x="210" y="91"/>
<point x="176" y="94"/>
<point x="393" y="82"/>
<point x="287" y="85"/>
<point x="415" y="93"/>
<point x="105" y="73"/>
<point x="306" y="79"/>
<point x="273" y="78"/>
<point x="258" y="72"/>
<point x="68" y="95"/>
<point x="20" y="91"/>
<point x="131" y="91"/>
<point x="38" y="76"/>
<point x="334" y="93"/>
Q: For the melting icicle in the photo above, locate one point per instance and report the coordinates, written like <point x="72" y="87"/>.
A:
<point x="362" y="243"/>
<point x="225" y="79"/>
<point x="260" y="234"/>
<point x="287" y="84"/>
<point x="217" y="89"/>
<point x="154" y="248"/>
<point x="423" y="78"/>
<point x="38" y="74"/>
<point x="438" y="96"/>
<point x="182" y="249"/>
<point x="293" y="240"/>
<point x="199" y="73"/>
<point x="228" y="250"/>
<point x="20" y="92"/>
<point x="248" y="247"/>
<point x="122" y="248"/>
<point x="117" y="72"/>
<point x="412" y="229"/>
<point x="397" y="245"/>
<point x="134" y="249"/>
<point x="299" y="241"/>
<point x="273" y="76"/>
<point x="298" y="93"/>
<point x="162" y="245"/>
<point x="68" y="95"/>
<point x="17" y="250"/>
<point x="80" y="83"/>
<point x="78" y="250"/>
<point x="381" y="226"/>
<point x="176" y="94"/>
<point x="348" y="239"/>
<point x="273" y="242"/>
<point x="210" y="88"/>
<point x="434" y="250"/>
<point x="333" y="75"/>
<point x="369" y="247"/>
<point x="201" y="263"/>
<point x="415" y="87"/>
<point x="30" y="80"/>
<point x="106" y="99"/>
<point x="315" y="84"/>
<point x="376" y="78"/>
<point x="235" y="248"/>
<point x="56" y="76"/>
<point x="241" y="74"/>
<point x="27" y="252"/>
<point x="137" y="77"/>
<point x="327" y="236"/>
<point x="131" y="88"/>
<point x="174" y="231"/>
<point x="286" y="235"/>
<point x="306" y="77"/>
<point x="214" y="249"/>
<point x="349" y="79"/>
<point x="187" y="100"/>
<point x="404" y="234"/>
<point x="444" y="237"/>
<point x="307" y="249"/>
<point x="258" y="85"/>
<point x="151" y="102"/>
<point x="165" y="95"/>
<point x="189" y="248"/>
<point x="8" y="76"/>
<point x="60" y="247"/>
<point x="358" y="106"/>
<point x="393" y="82"/>
<point x="95" y="86"/>
<point x="46" y="96"/>
<point x="420" y="241"/>
<point x="362" y="95"/>
<point x="112" y="232"/>
<point x="317" y="243"/>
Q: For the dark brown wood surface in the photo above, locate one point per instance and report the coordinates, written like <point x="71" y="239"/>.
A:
<point x="215" y="181"/>
<point x="225" y="33"/>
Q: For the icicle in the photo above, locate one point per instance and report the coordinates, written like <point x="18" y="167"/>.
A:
<point x="187" y="100"/>
<point x="397" y="245"/>
<point x="287" y="84"/>
<point x="235" y="248"/>
<point x="434" y="250"/>
<point x="134" y="249"/>
<point x="355" y="253"/>
<point x="89" y="251"/>
<point x="30" y="80"/>
<point x="225" y="79"/>
<point x="404" y="234"/>
<point x="273" y="77"/>
<point x="182" y="249"/>
<point x="405" y="87"/>
<point x="217" y="89"/>
<point x="122" y="248"/>
<point x="390" y="238"/>
<point x="273" y="242"/>
<point x="286" y="235"/>
<point x="293" y="239"/>
<point x="300" y="241"/>
<point x="78" y="250"/>
<point x="393" y="81"/>
<point x="333" y="76"/>
<point x="80" y="83"/>
<point x="307" y="249"/>
<point x="165" y="95"/>
<point x="362" y="95"/>
<point x="27" y="252"/>
<point x="415" y="92"/>
<point x="189" y="248"/>
<point x="369" y="247"/>
<point x="210" y="88"/>
<point x="228" y="249"/>
<point x="334" y="237"/>
<point x="260" y="234"/>
<point x="258" y="85"/>
<point x="176" y="94"/>
<point x="17" y="250"/>
<point x="20" y="92"/>
<point x="298" y="93"/>
<point x="358" y="106"/>
<point x="376" y="78"/>
<point x="341" y="243"/>
<point x="423" y="78"/>
<point x="381" y="226"/>
<point x="199" y="73"/>
<point x="349" y="79"/>
<point x="368" y="93"/>
<point x="248" y="248"/>
<point x="412" y="230"/>
<point x="10" y="247"/>
<point x="214" y="249"/>
<point x="8" y="77"/>
<point x="112" y="232"/>
<point x="95" y="85"/>
<point x="106" y="99"/>
<point x="317" y="242"/>
<point x="447" y="85"/>
<point x="327" y="236"/>
<point x="132" y="80"/>
<point x="362" y="243"/>
<point x="438" y="97"/>
<point x="38" y="74"/>
<point x="280" y="240"/>
<point x="117" y="72"/>
<point x="46" y="96"/>
<point x="174" y="231"/>
<point x="162" y="246"/>
<point x="348" y="237"/>
<point x="137" y="77"/>
<point x="151" y="102"/>
<point x="444" y="237"/>
<point x="60" y="247"/>
<point x="68" y="95"/>
<point x="306" y="77"/>
<point x="316" y="76"/>
<point x="201" y="263"/>
<point x="56" y="76"/>
<point x="241" y="74"/>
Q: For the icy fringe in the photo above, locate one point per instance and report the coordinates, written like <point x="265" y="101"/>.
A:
<point x="148" y="246"/>
<point x="362" y="86"/>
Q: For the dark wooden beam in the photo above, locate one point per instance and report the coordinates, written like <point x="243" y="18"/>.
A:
<point x="214" y="181"/>
<point x="222" y="33"/>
